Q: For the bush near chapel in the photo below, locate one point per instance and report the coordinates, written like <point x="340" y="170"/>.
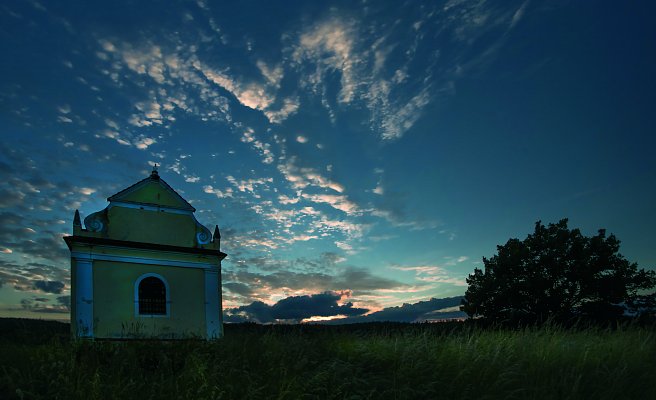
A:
<point x="558" y="274"/>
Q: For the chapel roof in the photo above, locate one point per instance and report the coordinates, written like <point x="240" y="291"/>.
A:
<point x="137" y="193"/>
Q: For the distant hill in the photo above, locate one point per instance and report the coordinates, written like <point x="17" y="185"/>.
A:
<point x="32" y="331"/>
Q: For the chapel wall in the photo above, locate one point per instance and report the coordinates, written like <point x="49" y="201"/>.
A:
<point x="114" y="301"/>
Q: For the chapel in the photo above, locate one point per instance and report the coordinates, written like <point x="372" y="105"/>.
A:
<point x="144" y="267"/>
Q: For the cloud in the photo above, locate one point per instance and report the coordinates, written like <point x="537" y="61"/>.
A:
<point x="273" y="75"/>
<point x="143" y="142"/>
<point x="393" y="71"/>
<point x="376" y="63"/>
<point x="87" y="191"/>
<point x="34" y="277"/>
<point x="394" y="124"/>
<point x="284" y="279"/>
<point x="338" y="202"/>
<point x="248" y="136"/>
<point x="218" y="193"/>
<point x="393" y="207"/>
<point x="294" y="309"/>
<point x="249" y="185"/>
<point x="282" y="199"/>
<point x="64" y="301"/>
<point x="289" y="107"/>
<point x="238" y="288"/>
<point x="302" y="177"/>
<point x="259" y="96"/>
<point x="340" y="45"/>
<point x="417" y="312"/>
<point x="434" y="274"/>
<point x="178" y="84"/>
<point x="251" y="95"/>
<point x="351" y="230"/>
<point x="39" y="305"/>
<point x="47" y="245"/>
<point x="330" y="46"/>
<point x="55" y="287"/>
<point x="518" y="14"/>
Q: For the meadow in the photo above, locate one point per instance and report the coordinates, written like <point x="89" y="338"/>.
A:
<point x="369" y="361"/>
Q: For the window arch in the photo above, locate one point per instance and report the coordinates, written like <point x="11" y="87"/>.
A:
<point x="151" y="296"/>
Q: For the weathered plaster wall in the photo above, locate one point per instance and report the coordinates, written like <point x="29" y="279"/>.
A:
<point x="73" y="298"/>
<point x="159" y="227"/>
<point x="114" y="302"/>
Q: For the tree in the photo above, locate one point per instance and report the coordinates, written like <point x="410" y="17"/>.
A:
<point x="558" y="274"/>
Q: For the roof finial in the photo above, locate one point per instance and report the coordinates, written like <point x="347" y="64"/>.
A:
<point x="154" y="174"/>
<point x="76" y="219"/>
<point x="217" y="237"/>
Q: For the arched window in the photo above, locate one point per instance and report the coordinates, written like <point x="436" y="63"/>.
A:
<point x="151" y="296"/>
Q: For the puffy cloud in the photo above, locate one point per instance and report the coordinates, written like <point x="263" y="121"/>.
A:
<point x="273" y="75"/>
<point x="338" y="202"/>
<point x="282" y="199"/>
<point x="248" y="185"/>
<point x="352" y="230"/>
<point x="238" y="288"/>
<point x="302" y="177"/>
<point x="217" y="192"/>
<point x="55" y="287"/>
<point x="302" y="308"/>
<point x="143" y="142"/>
<point x="179" y="84"/>
<point x="64" y="109"/>
<point x="263" y="148"/>
<point x="47" y="245"/>
<point x="433" y="309"/>
<point x="254" y="95"/>
<point x="34" y="277"/>
<point x="289" y="107"/>
<point x="294" y="309"/>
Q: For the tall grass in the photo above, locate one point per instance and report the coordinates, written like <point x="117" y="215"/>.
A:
<point x="382" y="361"/>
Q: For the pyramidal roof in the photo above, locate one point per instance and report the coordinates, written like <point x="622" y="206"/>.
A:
<point x="152" y="191"/>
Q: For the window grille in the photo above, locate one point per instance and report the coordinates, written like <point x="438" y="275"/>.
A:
<point x="152" y="296"/>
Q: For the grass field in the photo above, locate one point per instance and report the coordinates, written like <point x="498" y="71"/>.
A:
<point x="372" y="361"/>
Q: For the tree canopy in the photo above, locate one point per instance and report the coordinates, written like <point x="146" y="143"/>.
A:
<point x="557" y="273"/>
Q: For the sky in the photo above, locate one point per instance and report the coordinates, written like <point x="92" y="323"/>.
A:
<point x="360" y="158"/>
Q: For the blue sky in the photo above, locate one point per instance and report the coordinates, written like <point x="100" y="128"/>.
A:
<point x="367" y="152"/>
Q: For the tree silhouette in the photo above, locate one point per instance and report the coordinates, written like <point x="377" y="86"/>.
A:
<point x="558" y="274"/>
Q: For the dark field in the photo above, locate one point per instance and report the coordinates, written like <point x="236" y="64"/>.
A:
<point x="371" y="361"/>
